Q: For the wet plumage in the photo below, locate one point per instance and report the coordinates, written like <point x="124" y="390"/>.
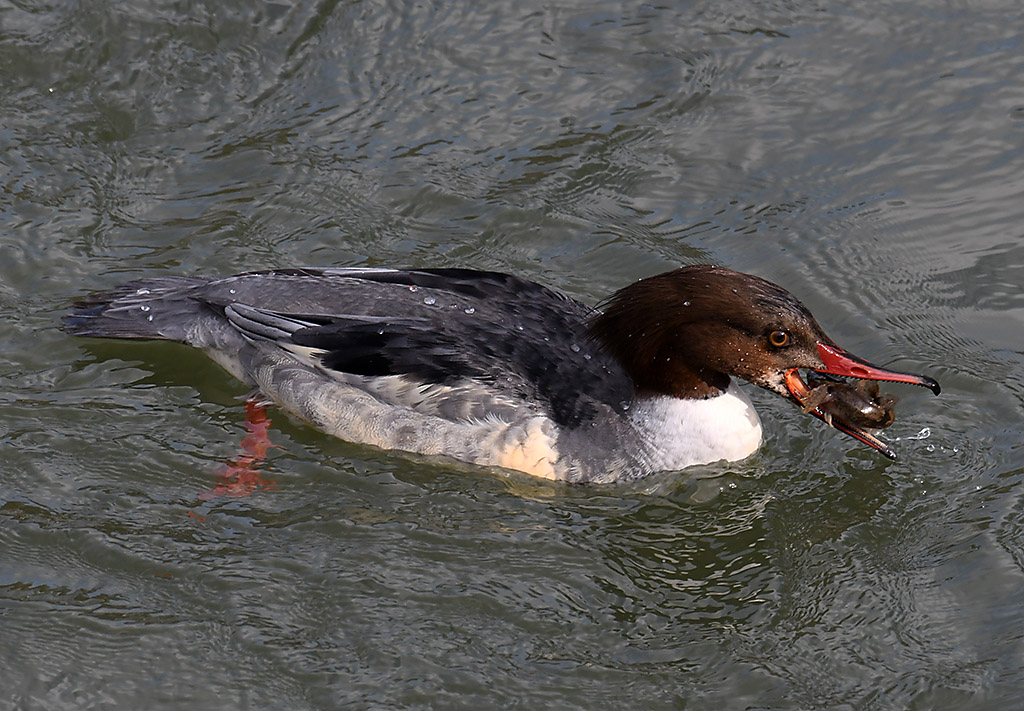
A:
<point x="491" y="368"/>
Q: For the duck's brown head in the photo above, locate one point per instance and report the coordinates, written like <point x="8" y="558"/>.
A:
<point x="684" y="333"/>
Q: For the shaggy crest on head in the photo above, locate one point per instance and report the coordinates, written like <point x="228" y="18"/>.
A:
<point x="683" y="333"/>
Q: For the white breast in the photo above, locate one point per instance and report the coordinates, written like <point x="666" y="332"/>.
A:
<point x="682" y="433"/>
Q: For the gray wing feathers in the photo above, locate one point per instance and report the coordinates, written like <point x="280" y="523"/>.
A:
<point x="442" y="341"/>
<point x="257" y="323"/>
<point x="460" y="401"/>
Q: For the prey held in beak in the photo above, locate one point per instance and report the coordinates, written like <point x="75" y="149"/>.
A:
<point x="857" y="409"/>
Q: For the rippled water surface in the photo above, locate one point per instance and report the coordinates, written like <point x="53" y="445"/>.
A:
<point x="868" y="156"/>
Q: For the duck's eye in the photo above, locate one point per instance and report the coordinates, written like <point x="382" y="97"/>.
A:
<point x="778" y="338"/>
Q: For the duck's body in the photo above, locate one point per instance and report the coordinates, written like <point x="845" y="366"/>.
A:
<point x="489" y="368"/>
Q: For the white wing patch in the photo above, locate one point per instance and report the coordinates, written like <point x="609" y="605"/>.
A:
<point x="307" y="354"/>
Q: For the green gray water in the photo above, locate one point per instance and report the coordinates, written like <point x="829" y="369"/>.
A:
<point x="868" y="156"/>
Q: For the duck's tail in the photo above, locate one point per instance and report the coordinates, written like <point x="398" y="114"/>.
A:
<point x="154" y="308"/>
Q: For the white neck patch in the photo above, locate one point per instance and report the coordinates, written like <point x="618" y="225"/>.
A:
<point x="682" y="433"/>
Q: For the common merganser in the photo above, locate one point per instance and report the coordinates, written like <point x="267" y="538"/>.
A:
<point x="499" y="371"/>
